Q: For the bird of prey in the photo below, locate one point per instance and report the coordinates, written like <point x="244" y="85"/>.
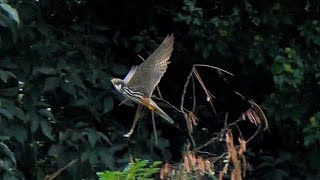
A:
<point x="140" y="82"/>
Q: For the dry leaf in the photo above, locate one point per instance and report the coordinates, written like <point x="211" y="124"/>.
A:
<point x="165" y="170"/>
<point x="201" y="165"/>
<point x="243" y="147"/>
<point x="186" y="163"/>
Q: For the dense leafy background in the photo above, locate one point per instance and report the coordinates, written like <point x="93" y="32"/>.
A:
<point x="57" y="103"/>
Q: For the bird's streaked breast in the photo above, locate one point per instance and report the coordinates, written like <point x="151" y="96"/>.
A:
<point x="134" y="95"/>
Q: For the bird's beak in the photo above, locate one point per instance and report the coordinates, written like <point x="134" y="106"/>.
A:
<point x="113" y="81"/>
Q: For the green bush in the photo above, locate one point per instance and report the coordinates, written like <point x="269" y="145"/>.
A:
<point x="57" y="103"/>
<point x="138" y="169"/>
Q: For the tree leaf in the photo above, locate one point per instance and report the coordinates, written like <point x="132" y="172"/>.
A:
<point x="4" y="75"/>
<point x="51" y="83"/>
<point x="46" y="113"/>
<point x="55" y="150"/>
<point x="92" y="137"/>
<point x="4" y="149"/>
<point x="93" y="158"/>
<point x="12" y="12"/>
<point x="9" y="175"/>
<point x="85" y="156"/>
<point x="107" y="158"/>
<point x="18" y="132"/>
<point x="45" y="70"/>
<point x="104" y="137"/>
<point x="9" y="91"/>
<point x="34" y="125"/>
<point x="6" y="63"/>
<point x="69" y="88"/>
<point x="46" y="128"/>
<point x="5" y="113"/>
<point x="107" y="104"/>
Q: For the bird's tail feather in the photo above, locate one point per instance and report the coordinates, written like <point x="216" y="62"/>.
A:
<point x="161" y="113"/>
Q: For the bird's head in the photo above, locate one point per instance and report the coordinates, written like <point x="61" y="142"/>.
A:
<point x="118" y="84"/>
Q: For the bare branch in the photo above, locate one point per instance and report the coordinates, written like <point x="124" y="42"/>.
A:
<point x="205" y="65"/>
<point x="154" y="127"/>
<point x="57" y="173"/>
<point x="141" y="58"/>
<point x="193" y="95"/>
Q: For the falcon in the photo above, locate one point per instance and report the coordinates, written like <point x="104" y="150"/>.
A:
<point x="140" y="82"/>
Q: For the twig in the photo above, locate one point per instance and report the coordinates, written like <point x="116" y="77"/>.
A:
<point x="124" y="101"/>
<point x="185" y="89"/>
<point x="226" y="120"/>
<point x="160" y="99"/>
<point x="212" y="140"/>
<point x="57" y="173"/>
<point x="222" y="132"/>
<point x="260" y="112"/>
<point x="220" y="157"/>
<point x="205" y="152"/>
<point x="189" y="131"/>
<point x="141" y="58"/>
<point x="159" y="92"/>
<point x="208" y="93"/>
<point x="205" y="65"/>
<point x="255" y="134"/>
<point x="154" y="127"/>
<point x="193" y="95"/>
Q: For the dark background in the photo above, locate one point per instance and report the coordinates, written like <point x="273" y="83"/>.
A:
<point x="64" y="53"/>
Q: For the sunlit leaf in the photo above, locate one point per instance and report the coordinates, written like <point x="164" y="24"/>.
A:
<point x="12" y="12"/>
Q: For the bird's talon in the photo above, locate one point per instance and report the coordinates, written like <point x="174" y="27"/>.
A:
<point x="128" y="134"/>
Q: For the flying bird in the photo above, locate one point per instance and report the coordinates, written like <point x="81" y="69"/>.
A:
<point x="140" y="82"/>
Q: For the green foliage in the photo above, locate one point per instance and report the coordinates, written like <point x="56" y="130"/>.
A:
<point x="312" y="131"/>
<point x="310" y="31"/>
<point x="139" y="169"/>
<point x="288" y="71"/>
<point x="210" y="33"/>
<point x="9" y="23"/>
<point x="8" y="163"/>
<point x="271" y="166"/>
<point x="57" y="103"/>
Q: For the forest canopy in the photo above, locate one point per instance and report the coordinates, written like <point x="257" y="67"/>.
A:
<point x="242" y="88"/>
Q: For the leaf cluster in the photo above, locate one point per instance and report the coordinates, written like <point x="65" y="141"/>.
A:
<point x="138" y="169"/>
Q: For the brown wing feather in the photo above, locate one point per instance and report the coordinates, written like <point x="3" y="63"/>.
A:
<point x="150" y="72"/>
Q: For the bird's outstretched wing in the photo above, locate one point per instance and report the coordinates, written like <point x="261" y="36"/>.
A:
<point x="149" y="73"/>
<point x="130" y="74"/>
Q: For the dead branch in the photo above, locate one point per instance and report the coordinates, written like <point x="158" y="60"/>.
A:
<point x="57" y="173"/>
